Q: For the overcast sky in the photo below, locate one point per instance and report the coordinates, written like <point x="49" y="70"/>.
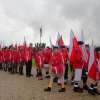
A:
<point x="19" y="18"/>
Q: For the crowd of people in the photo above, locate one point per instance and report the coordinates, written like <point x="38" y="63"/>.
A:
<point x="85" y="67"/>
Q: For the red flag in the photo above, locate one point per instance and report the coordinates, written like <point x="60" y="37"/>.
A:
<point x="92" y="64"/>
<point x="59" y="41"/>
<point x="75" y="53"/>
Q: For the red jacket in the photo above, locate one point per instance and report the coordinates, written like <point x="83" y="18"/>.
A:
<point x="39" y="59"/>
<point x="27" y="54"/>
<point x="47" y="54"/>
<point x="76" y="58"/>
<point x="1" y="56"/>
<point x="8" y="55"/>
<point x="56" y="65"/>
<point x="14" y="56"/>
<point x="18" y="56"/>
<point x="64" y="54"/>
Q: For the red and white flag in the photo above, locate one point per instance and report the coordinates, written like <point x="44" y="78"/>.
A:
<point x="59" y="41"/>
<point x="73" y="46"/>
<point x="71" y="42"/>
<point x="84" y="52"/>
<point x="92" y="68"/>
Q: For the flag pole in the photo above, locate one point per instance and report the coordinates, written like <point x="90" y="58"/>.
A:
<point x="40" y="33"/>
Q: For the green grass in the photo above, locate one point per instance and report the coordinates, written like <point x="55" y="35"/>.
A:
<point x="33" y="62"/>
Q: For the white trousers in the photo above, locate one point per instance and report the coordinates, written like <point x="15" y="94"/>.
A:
<point x="78" y="75"/>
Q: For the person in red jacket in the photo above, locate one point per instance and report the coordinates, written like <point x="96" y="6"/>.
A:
<point x="14" y="60"/>
<point x="28" y="60"/>
<point x="5" y="55"/>
<point x="85" y="66"/>
<point x="64" y="54"/>
<point x="39" y="59"/>
<point x="9" y="59"/>
<point x="20" y="61"/>
<point x="0" y="58"/>
<point x="47" y="53"/>
<point x="94" y="73"/>
<point x="56" y="68"/>
<point x="77" y="63"/>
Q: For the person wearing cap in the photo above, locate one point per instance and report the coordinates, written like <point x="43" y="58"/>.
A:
<point x="28" y="60"/>
<point x="64" y="54"/>
<point x="77" y="63"/>
<point x="39" y="59"/>
<point x="14" y="66"/>
<point x="20" y="61"/>
<point x="0" y="58"/>
<point x="47" y="53"/>
<point x="56" y="68"/>
<point x="10" y="59"/>
<point x="5" y="59"/>
<point x="86" y="55"/>
<point x="94" y="73"/>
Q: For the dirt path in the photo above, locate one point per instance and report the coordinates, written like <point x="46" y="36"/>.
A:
<point x="16" y="87"/>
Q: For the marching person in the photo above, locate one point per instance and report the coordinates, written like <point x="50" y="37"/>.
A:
<point x="0" y="58"/>
<point x="20" y="60"/>
<point x="13" y="57"/>
<point x="39" y="58"/>
<point x="86" y="56"/>
<point x="28" y="59"/>
<point x="94" y="71"/>
<point x="77" y="62"/>
<point x="64" y="54"/>
<point x="47" y="53"/>
<point x="56" y="68"/>
<point x="5" y="59"/>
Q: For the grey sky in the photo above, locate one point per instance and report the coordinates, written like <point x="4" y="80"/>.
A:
<point x="19" y="18"/>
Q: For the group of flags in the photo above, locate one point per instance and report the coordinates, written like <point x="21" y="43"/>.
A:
<point x="74" y="44"/>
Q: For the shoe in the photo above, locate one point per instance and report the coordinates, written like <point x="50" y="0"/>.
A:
<point x="78" y="89"/>
<point x="47" y="89"/>
<point x="55" y="80"/>
<point x="96" y="91"/>
<point x="48" y="76"/>
<point x="62" y="90"/>
<point x="91" y="91"/>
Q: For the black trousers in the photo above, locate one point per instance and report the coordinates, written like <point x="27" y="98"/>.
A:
<point x="28" y="67"/>
<point x="5" y="66"/>
<point x="14" y="67"/>
<point x="66" y="71"/>
<point x="0" y="66"/>
<point x="84" y="76"/>
<point x="21" y="68"/>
